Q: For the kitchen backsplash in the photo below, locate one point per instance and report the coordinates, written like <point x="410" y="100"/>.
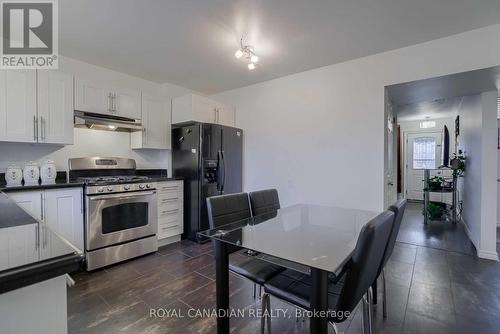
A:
<point x="87" y="143"/>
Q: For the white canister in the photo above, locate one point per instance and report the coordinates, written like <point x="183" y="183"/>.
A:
<point x="14" y="176"/>
<point x="48" y="172"/>
<point x="31" y="173"/>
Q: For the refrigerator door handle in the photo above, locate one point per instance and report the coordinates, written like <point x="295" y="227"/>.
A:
<point x="224" y="171"/>
<point x="219" y="170"/>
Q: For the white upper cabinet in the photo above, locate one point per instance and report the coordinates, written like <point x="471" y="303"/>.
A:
<point x="18" y="118"/>
<point x="225" y="114"/>
<point x="99" y="98"/>
<point x="126" y="103"/>
<point x="92" y="97"/>
<point x="36" y="106"/>
<point x="156" y="124"/>
<point x="55" y="107"/>
<point x="201" y="109"/>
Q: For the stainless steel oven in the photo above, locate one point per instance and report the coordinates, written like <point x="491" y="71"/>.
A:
<point x="120" y="217"/>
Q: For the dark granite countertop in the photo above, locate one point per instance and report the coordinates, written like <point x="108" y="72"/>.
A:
<point x="157" y="175"/>
<point x="60" y="182"/>
<point x="19" y="272"/>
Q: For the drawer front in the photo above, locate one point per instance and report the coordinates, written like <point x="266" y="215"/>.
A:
<point x="170" y="208"/>
<point x="168" y="231"/>
<point x="169" y="187"/>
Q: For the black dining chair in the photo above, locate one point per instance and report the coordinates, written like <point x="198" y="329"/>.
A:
<point x="226" y="209"/>
<point x="347" y="289"/>
<point x="399" y="209"/>
<point x="264" y="201"/>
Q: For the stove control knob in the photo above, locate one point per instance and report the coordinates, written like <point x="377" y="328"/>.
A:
<point x="126" y="187"/>
<point x="110" y="188"/>
<point x="100" y="189"/>
<point x="141" y="186"/>
<point x="149" y="185"/>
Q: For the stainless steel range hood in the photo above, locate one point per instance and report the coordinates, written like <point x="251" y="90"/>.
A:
<point x="106" y="122"/>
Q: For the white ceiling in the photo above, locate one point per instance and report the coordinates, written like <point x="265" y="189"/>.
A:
<point x="191" y="42"/>
<point x="442" y="108"/>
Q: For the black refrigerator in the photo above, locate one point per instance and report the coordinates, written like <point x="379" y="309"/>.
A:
<point x="209" y="159"/>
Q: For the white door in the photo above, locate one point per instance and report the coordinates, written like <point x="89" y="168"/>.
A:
<point x="204" y="109"/>
<point x="64" y="215"/>
<point x="225" y="115"/>
<point x="92" y="97"/>
<point x="55" y="107"/>
<point x="156" y="122"/>
<point x="18" y="106"/>
<point x="30" y="201"/>
<point x="18" y="245"/>
<point x="423" y="151"/>
<point x="127" y="103"/>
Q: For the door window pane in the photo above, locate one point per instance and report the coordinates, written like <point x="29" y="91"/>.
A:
<point x="424" y="153"/>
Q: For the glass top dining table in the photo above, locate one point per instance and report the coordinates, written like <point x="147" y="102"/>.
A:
<point x="321" y="238"/>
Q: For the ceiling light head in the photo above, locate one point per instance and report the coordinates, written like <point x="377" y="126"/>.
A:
<point x="247" y="51"/>
<point x="112" y="127"/>
<point x="238" y="54"/>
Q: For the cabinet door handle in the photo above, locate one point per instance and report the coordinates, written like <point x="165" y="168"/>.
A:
<point x="34" y="127"/>
<point x="114" y="102"/>
<point x="109" y="103"/>
<point x="37" y="236"/>
<point x="42" y="127"/>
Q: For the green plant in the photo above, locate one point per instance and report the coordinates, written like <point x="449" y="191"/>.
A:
<point x="435" y="210"/>
<point x="435" y="182"/>
<point x="458" y="163"/>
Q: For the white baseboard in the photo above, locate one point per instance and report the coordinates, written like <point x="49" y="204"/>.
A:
<point x="487" y="255"/>
<point x="166" y="241"/>
<point x="483" y="254"/>
<point x="469" y="235"/>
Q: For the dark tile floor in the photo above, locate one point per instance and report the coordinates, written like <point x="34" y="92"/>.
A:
<point x="430" y="290"/>
<point x="436" y="234"/>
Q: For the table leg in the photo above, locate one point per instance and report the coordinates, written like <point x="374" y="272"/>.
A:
<point x="319" y="301"/>
<point x="222" y="286"/>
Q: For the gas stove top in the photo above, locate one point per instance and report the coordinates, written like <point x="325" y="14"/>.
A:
<point x="109" y="180"/>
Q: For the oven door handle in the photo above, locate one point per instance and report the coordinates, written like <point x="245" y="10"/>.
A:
<point x="111" y="196"/>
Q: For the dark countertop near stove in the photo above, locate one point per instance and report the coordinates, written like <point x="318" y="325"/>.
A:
<point x="157" y="175"/>
<point x="61" y="182"/>
<point x="20" y="272"/>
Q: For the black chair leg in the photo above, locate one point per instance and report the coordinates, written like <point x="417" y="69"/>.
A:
<point x="374" y="291"/>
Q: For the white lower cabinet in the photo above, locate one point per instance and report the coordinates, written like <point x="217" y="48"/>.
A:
<point x="170" y="209"/>
<point x="18" y="245"/>
<point x="61" y="209"/>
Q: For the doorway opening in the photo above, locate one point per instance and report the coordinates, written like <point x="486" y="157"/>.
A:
<point x="430" y="123"/>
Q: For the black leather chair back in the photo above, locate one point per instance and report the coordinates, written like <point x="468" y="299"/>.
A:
<point x="226" y="209"/>
<point x="363" y="267"/>
<point x="264" y="201"/>
<point x="399" y="209"/>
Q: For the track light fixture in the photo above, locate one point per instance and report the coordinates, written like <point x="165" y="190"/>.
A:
<point x="248" y="53"/>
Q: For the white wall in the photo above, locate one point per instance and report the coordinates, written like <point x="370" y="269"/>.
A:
<point x="93" y="142"/>
<point x="319" y="135"/>
<point x="478" y="186"/>
<point x="469" y="141"/>
<point x="489" y="200"/>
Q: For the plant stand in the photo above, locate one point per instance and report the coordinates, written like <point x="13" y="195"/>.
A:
<point x="452" y="210"/>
